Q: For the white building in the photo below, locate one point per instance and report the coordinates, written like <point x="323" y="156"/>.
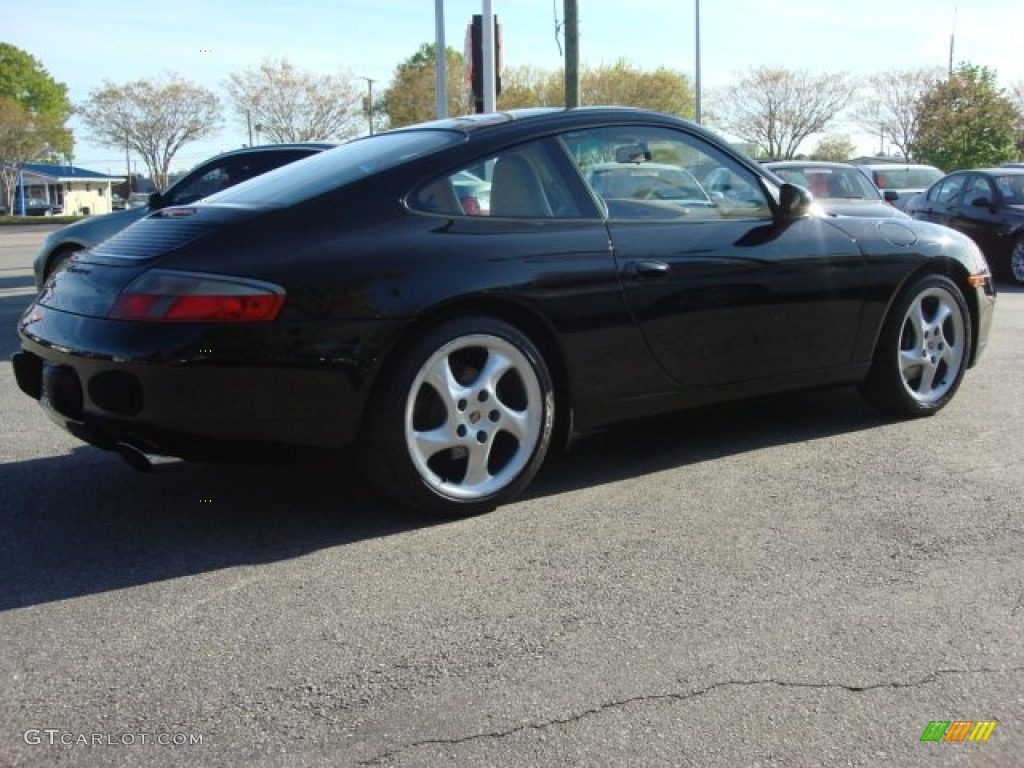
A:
<point x="77" y="191"/>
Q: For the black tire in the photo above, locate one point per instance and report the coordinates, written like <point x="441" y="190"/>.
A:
<point x="1016" y="270"/>
<point x="463" y="422"/>
<point x="922" y="350"/>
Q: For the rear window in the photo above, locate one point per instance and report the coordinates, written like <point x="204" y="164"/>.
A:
<point x="906" y="178"/>
<point x="336" y="167"/>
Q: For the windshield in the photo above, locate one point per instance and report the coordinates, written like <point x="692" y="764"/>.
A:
<point x="646" y="181"/>
<point x="331" y="169"/>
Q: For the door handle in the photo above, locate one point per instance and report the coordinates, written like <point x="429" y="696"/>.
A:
<point x="645" y="269"/>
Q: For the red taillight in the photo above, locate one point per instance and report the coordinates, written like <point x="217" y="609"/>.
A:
<point x="164" y="296"/>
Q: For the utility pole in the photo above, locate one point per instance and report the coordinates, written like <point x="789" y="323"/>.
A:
<point x="441" y="62"/>
<point x="572" y="54"/>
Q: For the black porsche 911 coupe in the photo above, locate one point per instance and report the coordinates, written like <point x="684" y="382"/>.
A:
<point x="453" y="333"/>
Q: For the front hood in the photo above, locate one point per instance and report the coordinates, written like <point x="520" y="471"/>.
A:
<point x="887" y="237"/>
<point x="869" y="208"/>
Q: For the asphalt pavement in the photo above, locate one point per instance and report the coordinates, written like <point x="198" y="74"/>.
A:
<point x="790" y="582"/>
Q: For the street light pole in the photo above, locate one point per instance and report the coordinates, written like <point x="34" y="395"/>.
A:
<point x="489" y="59"/>
<point x="440" y="63"/>
<point x="697" y="67"/>
<point x="369" y="101"/>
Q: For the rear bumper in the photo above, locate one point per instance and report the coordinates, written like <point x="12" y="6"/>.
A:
<point x="178" y="403"/>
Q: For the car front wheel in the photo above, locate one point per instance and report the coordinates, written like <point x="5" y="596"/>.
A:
<point x="922" y="351"/>
<point x="465" y="422"/>
<point x="1017" y="260"/>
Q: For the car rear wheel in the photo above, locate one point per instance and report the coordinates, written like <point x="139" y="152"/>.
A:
<point x="922" y="351"/>
<point x="1017" y="260"/>
<point x="465" y="422"/>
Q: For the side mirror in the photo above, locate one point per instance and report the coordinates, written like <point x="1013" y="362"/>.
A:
<point x="890" y="195"/>
<point x="981" y="202"/>
<point x="156" y="200"/>
<point x="794" y="201"/>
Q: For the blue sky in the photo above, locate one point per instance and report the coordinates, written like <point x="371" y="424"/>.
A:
<point x="83" y="44"/>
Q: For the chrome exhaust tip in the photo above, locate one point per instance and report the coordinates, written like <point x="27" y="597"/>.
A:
<point x="141" y="461"/>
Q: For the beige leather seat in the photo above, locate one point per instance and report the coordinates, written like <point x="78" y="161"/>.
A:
<point x="516" y="190"/>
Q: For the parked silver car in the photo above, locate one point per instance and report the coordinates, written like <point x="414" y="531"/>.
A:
<point x="898" y="182"/>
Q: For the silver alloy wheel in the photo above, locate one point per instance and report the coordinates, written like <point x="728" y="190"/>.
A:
<point x="1017" y="261"/>
<point x="473" y="416"/>
<point x="933" y="343"/>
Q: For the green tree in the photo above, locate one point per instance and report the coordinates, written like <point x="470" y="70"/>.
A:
<point x="155" y="118"/>
<point x="622" y="84"/>
<point x="1016" y="95"/>
<point x="966" y="121"/>
<point x="24" y="80"/>
<point x="777" y="109"/>
<point x="529" y="86"/>
<point x="289" y="104"/>
<point x="411" y="98"/>
<point x="24" y="138"/>
<point x="835" y="148"/>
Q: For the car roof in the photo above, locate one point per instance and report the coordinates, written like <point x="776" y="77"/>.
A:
<point x="1003" y="171"/>
<point x="557" y="117"/>
<point x="805" y="164"/>
<point x="317" y="146"/>
<point x="881" y="166"/>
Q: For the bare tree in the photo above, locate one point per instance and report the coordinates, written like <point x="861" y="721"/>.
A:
<point x="289" y="104"/>
<point x="1015" y="93"/>
<point x="155" y="118"/>
<point x="777" y="109"/>
<point x="891" y="109"/>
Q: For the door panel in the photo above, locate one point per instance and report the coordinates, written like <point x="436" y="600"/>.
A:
<point x="742" y="300"/>
<point x="980" y="223"/>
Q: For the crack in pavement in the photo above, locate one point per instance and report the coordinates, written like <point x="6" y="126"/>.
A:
<point x="931" y="677"/>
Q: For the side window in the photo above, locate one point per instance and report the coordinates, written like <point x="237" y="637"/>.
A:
<point x="978" y="188"/>
<point x="949" y="190"/>
<point x="1011" y="188"/>
<point x="214" y="180"/>
<point x="521" y="183"/>
<point x="640" y="172"/>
